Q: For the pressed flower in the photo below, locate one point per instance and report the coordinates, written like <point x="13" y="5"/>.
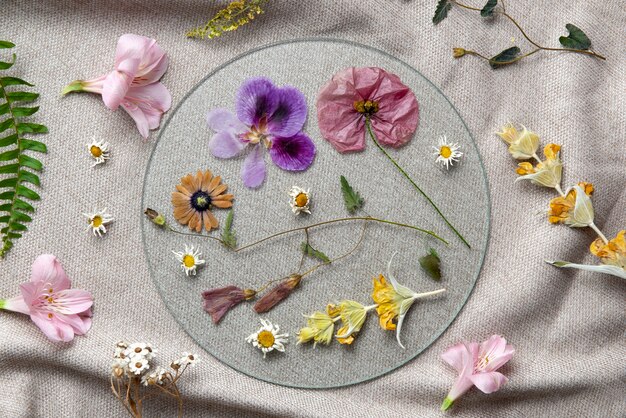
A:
<point x="267" y="338"/>
<point x="219" y="301"/>
<point x="353" y="316"/>
<point x="97" y="221"/>
<point x="134" y="83"/>
<point x="196" y="196"/>
<point x="546" y="173"/>
<point x="185" y="360"/>
<point x="320" y="327"/>
<point x="140" y="350"/>
<point x="300" y="200"/>
<point x="268" y="117"/>
<point x="575" y="208"/>
<point x="138" y="364"/>
<point x="522" y="145"/>
<point x="447" y="153"/>
<point x="477" y="365"/>
<point x="155" y="217"/>
<point x="458" y="52"/>
<point x="99" y="151"/>
<point x="277" y="294"/>
<point x="60" y="312"/>
<point x="157" y="377"/>
<point x="189" y="259"/>
<point x="361" y="101"/>
<point x="394" y="301"/>
<point x="612" y="256"/>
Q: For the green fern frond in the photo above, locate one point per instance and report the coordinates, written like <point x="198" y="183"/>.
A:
<point x="17" y="169"/>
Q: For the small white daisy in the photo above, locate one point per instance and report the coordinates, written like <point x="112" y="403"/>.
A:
<point x="300" y="200"/>
<point x="187" y="358"/>
<point x="268" y="339"/>
<point x="99" y="151"/>
<point x="97" y="221"/>
<point x="447" y="153"/>
<point x="155" y="378"/>
<point x="189" y="259"/>
<point x="138" y="364"/>
<point x="140" y="350"/>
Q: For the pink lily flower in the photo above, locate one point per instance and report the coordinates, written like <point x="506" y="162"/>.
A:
<point x="60" y="312"/>
<point x="477" y="365"/>
<point x="134" y="83"/>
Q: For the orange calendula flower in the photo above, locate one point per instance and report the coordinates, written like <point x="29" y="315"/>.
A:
<point x="547" y="173"/>
<point x="196" y="195"/>
<point x="562" y="208"/>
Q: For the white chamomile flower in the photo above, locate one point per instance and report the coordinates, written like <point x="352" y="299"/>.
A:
<point x="300" y="200"/>
<point x="98" y="220"/>
<point x="99" y="151"/>
<point x="155" y="378"/>
<point x="268" y="339"/>
<point x="189" y="259"/>
<point x="140" y="350"/>
<point x="138" y="364"/>
<point x="186" y="359"/>
<point x="447" y="153"/>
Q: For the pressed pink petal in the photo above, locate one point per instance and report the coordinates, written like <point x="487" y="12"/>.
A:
<point x="16" y="304"/>
<point x="146" y="105"/>
<point x="223" y="119"/>
<point x="461" y="385"/>
<point x="457" y="357"/>
<point x="31" y="291"/>
<point x="253" y="170"/>
<point x="226" y="144"/>
<point x="489" y="382"/>
<point x="114" y="88"/>
<point x="53" y="328"/>
<point x="74" y="301"/>
<point x="130" y="46"/>
<point x="80" y="324"/>
<point x="48" y="270"/>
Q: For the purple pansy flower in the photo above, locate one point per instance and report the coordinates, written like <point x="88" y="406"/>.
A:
<point x="267" y="117"/>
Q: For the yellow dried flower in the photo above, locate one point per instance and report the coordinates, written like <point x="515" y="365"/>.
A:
<point x="522" y="145"/>
<point x="547" y="173"/>
<point x="353" y="316"/>
<point x="235" y="15"/>
<point x="562" y="209"/>
<point x="458" y="52"/>
<point x="320" y="327"/>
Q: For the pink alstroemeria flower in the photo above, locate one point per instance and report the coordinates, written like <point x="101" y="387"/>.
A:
<point x="134" y="83"/>
<point x="60" y="312"/>
<point x="477" y="365"/>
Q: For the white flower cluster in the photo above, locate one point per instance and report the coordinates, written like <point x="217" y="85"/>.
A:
<point x="133" y="360"/>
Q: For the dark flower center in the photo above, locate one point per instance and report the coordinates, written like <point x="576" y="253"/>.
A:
<point x="200" y="201"/>
<point x="366" y="107"/>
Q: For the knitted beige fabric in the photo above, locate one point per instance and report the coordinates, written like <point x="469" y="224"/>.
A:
<point x="567" y="327"/>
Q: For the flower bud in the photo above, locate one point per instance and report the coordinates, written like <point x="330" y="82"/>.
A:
<point x="458" y="52"/>
<point x="277" y="294"/>
<point x="155" y="217"/>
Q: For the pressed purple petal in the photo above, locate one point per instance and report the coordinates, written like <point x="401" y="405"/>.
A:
<point x="290" y="114"/>
<point x="253" y="170"/>
<point x="223" y="119"/>
<point x="226" y="144"/>
<point x="257" y="97"/>
<point x="295" y="153"/>
<point x="218" y="301"/>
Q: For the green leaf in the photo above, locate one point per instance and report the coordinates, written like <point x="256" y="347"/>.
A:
<point x="29" y="177"/>
<point x="576" y="38"/>
<point x="30" y="162"/>
<point x="431" y="264"/>
<point x="8" y="140"/>
<point x="20" y="112"/>
<point x="33" y="128"/>
<point x="9" y="168"/>
<point x="17" y="227"/>
<point x="228" y="235"/>
<point x="7" y="195"/>
<point x="4" y="108"/>
<point x="505" y="57"/>
<point x="14" y="81"/>
<point x="6" y="65"/>
<point x="29" y="144"/>
<point x="441" y="12"/>
<point x="21" y="96"/>
<point x="352" y="199"/>
<point x="4" y="125"/>
<point x="20" y="217"/>
<point x="312" y="252"/>
<point x="10" y="182"/>
<point x="21" y="205"/>
<point x="9" y="155"/>
<point x="6" y="45"/>
<point x="26" y="192"/>
<point x="488" y="9"/>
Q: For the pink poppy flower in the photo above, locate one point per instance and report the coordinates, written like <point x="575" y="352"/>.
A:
<point x="477" y="365"/>
<point x="360" y="101"/>
<point x="354" y="96"/>
<point x="134" y="83"/>
<point x="60" y="312"/>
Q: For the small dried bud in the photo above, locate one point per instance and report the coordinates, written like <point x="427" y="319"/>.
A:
<point x="118" y="371"/>
<point x="175" y="365"/>
<point x="458" y="52"/>
<point x="155" y="217"/>
<point x="277" y="294"/>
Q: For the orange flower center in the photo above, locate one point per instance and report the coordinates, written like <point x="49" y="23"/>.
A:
<point x="301" y="200"/>
<point x="97" y="221"/>
<point x="95" y="151"/>
<point x="445" y="151"/>
<point x="366" y="107"/>
<point x="266" y="339"/>
<point x="189" y="261"/>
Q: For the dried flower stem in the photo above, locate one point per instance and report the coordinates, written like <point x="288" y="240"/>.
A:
<point x="405" y="174"/>
<point x="539" y="47"/>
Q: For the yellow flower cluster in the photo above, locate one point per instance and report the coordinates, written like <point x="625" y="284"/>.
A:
<point x="572" y="207"/>
<point x="235" y="15"/>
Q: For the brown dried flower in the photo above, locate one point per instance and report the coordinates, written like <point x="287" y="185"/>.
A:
<point x="277" y="294"/>
<point x="218" y="301"/>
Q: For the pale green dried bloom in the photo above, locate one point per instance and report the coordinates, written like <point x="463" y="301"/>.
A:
<point x="235" y="15"/>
